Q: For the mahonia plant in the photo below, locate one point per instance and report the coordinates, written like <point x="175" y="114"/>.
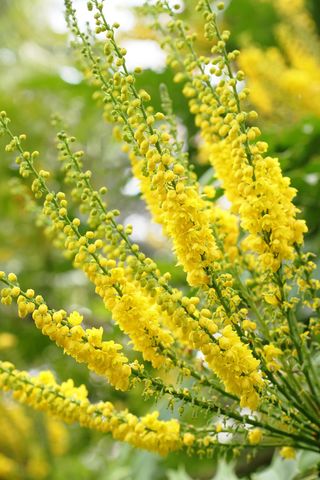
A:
<point x="239" y="354"/>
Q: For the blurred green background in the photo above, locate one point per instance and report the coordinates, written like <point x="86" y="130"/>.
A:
<point x="39" y="77"/>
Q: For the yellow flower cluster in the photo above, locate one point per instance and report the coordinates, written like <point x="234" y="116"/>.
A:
<point x="273" y="228"/>
<point x="70" y="404"/>
<point x="276" y="87"/>
<point x="85" y="345"/>
<point x="285" y="82"/>
<point x="295" y="16"/>
<point x="130" y="308"/>
<point x="176" y="204"/>
<point x="22" y="448"/>
<point x="134" y="314"/>
<point x="233" y="362"/>
<point x="179" y="208"/>
<point x="226" y="355"/>
<point x="229" y="358"/>
<point x="251" y="179"/>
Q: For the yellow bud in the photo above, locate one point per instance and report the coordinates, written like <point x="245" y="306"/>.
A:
<point x="288" y="453"/>
<point x="12" y="277"/>
<point x="255" y="436"/>
<point x="188" y="439"/>
<point x="57" y="317"/>
<point x="159" y="116"/>
<point x="144" y="96"/>
<point x="15" y="291"/>
<point x="43" y="308"/>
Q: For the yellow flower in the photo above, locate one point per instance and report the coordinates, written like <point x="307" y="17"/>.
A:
<point x="188" y="439"/>
<point x="255" y="436"/>
<point x="219" y="427"/>
<point x="288" y="453"/>
<point x="75" y="318"/>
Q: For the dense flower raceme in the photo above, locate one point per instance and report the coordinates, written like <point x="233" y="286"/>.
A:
<point x="235" y="341"/>
<point x="249" y="177"/>
<point x="71" y="404"/>
<point x="85" y="345"/>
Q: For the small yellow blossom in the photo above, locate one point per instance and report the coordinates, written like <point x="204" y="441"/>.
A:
<point x="188" y="439"/>
<point x="288" y="453"/>
<point x="75" y="318"/>
<point x="255" y="436"/>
